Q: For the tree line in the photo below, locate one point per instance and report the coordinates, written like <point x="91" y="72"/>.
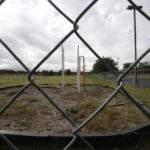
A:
<point x="100" y="67"/>
<point x="43" y="72"/>
<point x="141" y="66"/>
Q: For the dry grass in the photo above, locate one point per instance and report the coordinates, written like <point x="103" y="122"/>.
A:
<point x="111" y="119"/>
<point x="32" y="112"/>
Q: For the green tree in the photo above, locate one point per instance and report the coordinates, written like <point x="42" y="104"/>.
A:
<point x="68" y="72"/>
<point x="59" y="72"/>
<point x="126" y="65"/>
<point x="51" y="73"/>
<point x="45" y="73"/>
<point x="144" y="65"/>
<point x="100" y="67"/>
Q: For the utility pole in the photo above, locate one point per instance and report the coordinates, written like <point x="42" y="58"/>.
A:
<point x="135" y="39"/>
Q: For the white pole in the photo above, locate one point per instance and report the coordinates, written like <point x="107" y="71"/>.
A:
<point x="63" y="70"/>
<point x="78" y="70"/>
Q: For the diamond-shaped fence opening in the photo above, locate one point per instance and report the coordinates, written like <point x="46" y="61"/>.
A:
<point x="32" y="82"/>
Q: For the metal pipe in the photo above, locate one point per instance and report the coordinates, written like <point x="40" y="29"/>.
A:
<point x="78" y="71"/>
<point x="63" y="70"/>
<point x="83" y="72"/>
<point x="135" y="43"/>
<point x="135" y="36"/>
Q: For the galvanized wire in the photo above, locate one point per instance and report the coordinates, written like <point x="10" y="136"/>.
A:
<point x="1" y="2"/>
<point x="31" y="77"/>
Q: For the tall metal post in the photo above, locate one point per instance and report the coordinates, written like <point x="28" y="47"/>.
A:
<point x="135" y="43"/>
<point x="63" y="70"/>
<point x="78" y="70"/>
<point x="84" y="73"/>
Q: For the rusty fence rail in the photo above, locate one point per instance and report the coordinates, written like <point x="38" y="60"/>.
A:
<point x="31" y="77"/>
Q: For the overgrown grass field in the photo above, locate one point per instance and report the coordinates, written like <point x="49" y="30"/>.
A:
<point x="142" y="94"/>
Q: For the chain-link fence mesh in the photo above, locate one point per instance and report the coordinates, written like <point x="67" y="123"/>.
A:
<point x="32" y="82"/>
<point x="142" y="80"/>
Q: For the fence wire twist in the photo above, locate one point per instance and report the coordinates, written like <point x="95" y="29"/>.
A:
<point x="31" y="77"/>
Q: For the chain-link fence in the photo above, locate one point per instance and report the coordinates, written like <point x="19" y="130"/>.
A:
<point x="142" y="79"/>
<point x="31" y="77"/>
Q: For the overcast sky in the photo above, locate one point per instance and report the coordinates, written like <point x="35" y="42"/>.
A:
<point x="31" y="28"/>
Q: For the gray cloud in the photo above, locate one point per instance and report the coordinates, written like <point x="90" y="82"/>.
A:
<point x="33" y="28"/>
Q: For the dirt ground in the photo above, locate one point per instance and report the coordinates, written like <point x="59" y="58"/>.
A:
<point x="32" y="112"/>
